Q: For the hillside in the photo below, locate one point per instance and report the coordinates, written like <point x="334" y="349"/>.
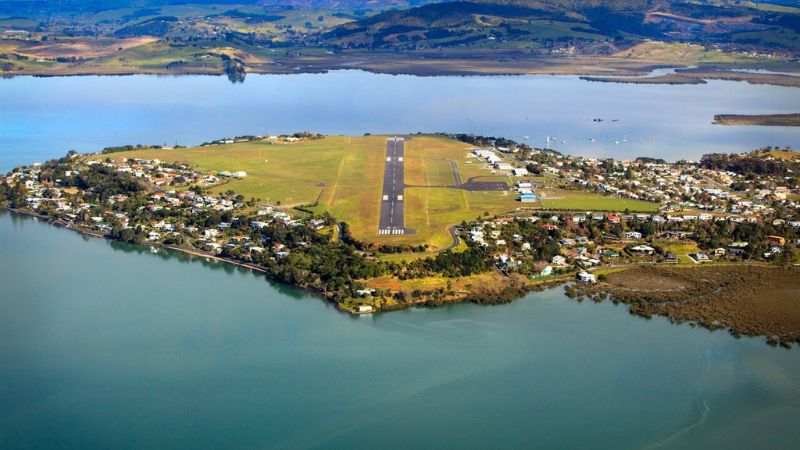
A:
<point x="572" y="26"/>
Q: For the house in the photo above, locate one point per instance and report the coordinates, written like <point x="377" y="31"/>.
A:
<point x="776" y="240"/>
<point x="584" y="261"/>
<point x="365" y="292"/>
<point x="527" y="198"/>
<point x="586" y="277"/>
<point x="643" y="249"/>
<point x="567" y="242"/>
<point x="633" y="235"/>
<point x="547" y="271"/>
<point x="671" y="257"/>
<point x="559" y="261"/>
<point x="738" y="248"/>
<point x="700" y="257"/>
<point x="365" y="309"/>
<point x="719" y="251"/>
<point x="519" y="172"/>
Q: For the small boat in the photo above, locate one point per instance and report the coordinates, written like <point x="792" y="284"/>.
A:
<point x="592" y="140"/>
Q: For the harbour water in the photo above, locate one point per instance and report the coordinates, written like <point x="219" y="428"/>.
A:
<point x="107" y="345"/>
<point x="42" y="118"/>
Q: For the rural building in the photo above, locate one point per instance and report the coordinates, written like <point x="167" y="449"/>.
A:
<point x="365" y="309"/>
<point x="776" y="240"/>
<point x="586" y="277"/>
<point x="633" y="235"/>
<point x="527" y="198"/>
<point x="643" y="249"/>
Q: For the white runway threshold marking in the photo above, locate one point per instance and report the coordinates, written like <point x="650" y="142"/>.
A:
<point x="391" y="231"/>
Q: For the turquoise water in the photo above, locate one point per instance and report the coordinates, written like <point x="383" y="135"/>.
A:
<point x="42" y="118"/>
<point x="104" y="345"/>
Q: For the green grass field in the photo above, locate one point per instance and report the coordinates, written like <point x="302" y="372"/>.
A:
<point x="344" y="176"/>
<point x="587" y="201"/>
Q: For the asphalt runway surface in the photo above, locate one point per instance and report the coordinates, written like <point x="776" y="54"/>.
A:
<point x="392" y="200"/>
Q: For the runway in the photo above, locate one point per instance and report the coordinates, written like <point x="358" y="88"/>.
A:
<point x="392" y="218"/>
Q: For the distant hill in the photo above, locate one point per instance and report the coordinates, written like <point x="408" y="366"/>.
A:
<point x="158" y="26"/>
<point x="29" y="8"/>
<point x="543" y="24"/>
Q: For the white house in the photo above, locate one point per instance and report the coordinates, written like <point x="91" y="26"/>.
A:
<point x="644" y="249"/>
<point x="586" y="277"/>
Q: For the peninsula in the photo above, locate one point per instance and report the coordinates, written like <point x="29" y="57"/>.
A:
<point x="782" y="120"/>
<point x="378" y="223"/>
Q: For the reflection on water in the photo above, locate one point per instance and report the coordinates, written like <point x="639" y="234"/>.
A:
<point x="165" y="254"/>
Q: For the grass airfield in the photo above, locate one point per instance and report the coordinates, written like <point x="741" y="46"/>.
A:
<point x="343" y="175"/>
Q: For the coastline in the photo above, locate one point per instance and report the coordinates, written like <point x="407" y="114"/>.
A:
<point x="644" y="300"/>
<point x="514" y="291"/>
<point x="771" y="120"/>
<point x="609" y="71"/>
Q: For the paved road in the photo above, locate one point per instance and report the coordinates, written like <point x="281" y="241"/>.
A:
<point x="392" y="220"/>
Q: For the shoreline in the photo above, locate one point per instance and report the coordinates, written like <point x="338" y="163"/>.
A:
<point x="743" y="299"/>
<point x="643" y="301"/>
<point x="769" y="120"/>
<point x="611" y="72"/>
<point x="506" y="295"/>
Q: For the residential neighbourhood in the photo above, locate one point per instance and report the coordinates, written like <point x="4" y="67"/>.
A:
<point x="702" y="215"/>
